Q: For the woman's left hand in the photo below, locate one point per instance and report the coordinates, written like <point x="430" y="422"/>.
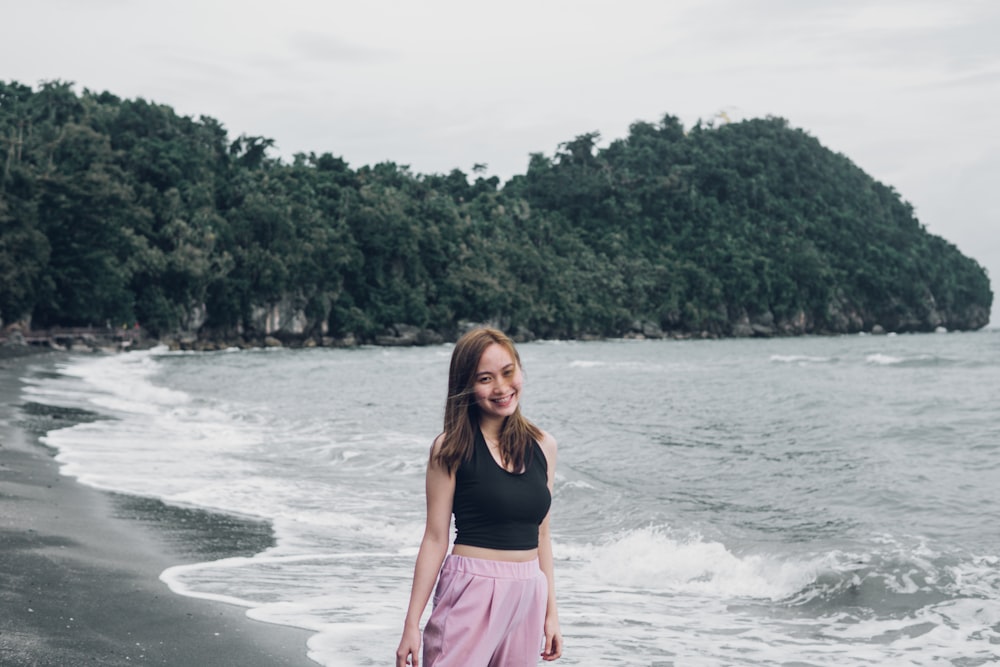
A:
<point x="553" y="640"/>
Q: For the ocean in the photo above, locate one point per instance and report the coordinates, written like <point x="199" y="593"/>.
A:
<point x="795" y="501"/>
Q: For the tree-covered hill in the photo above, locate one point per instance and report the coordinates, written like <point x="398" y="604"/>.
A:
<point x="114" y="211"/>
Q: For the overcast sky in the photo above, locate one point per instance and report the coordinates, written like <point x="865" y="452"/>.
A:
<point x="908" y="89"/>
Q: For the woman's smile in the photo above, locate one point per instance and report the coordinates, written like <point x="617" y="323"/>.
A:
<point x="504" y="401"/>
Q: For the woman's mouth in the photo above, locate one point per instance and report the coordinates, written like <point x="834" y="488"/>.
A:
<point x="503" y="401"/>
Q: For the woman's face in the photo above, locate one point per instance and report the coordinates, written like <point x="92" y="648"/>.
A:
<point x="497" y="383"/>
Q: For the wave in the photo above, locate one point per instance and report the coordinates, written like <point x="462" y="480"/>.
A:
<point x="801" y="359"/>
<point x="874" y="359"/>
<point x="917" y="361"/>
<point x="592" y="363"/>
<point x="651" y="559"/>
<point x="581" y="363"/>
<point x="888" y="581"/>
<point x="711" y="605"/>
<point x="654" y="559"/>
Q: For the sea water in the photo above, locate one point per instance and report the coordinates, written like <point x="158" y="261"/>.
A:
<point x="807" y="501"/>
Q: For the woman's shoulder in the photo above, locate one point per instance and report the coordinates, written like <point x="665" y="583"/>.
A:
<point x="548" y="444"/>
<point x="436" y="460"/>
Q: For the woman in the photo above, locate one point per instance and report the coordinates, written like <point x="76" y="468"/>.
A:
<point x="495" y="603"/>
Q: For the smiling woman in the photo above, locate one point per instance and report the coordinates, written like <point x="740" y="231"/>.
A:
<point x="493" y="469"/>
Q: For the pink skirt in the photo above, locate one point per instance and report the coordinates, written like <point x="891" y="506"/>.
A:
<point x="487" y="613"/>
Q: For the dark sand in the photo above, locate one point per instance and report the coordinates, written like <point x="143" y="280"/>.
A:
<point x="79" y="568"/>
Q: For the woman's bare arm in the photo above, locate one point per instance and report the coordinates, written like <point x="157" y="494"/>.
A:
<point x="553" y="635"/>
<point x="440" y="491"/>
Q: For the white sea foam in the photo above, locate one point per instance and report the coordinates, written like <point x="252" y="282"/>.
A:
<point x="880" y="359"/>
<point x="800" y="359"/>
<point x="575" y="484"/>
<point x="583" y="363"/>
<point x="155" y="449"/>
<point x="883" y="359"/>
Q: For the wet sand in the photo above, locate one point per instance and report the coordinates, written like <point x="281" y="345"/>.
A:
<point x="79" y="567"/>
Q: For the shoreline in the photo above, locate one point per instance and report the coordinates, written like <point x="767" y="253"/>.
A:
<point x="80" y="567"/>
<point x="14" y="343"/>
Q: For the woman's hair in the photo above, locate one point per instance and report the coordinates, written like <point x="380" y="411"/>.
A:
<point x="461" y="414"/>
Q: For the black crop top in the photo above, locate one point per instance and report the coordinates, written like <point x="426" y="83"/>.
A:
<point x="496" y="509"/>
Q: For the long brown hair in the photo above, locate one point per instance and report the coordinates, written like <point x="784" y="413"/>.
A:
<point x="461" y="414"/>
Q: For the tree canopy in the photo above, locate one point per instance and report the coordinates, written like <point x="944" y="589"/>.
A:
<point x="115" y="211"/>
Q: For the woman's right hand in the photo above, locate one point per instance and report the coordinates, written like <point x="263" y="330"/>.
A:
<point x="408" y="652"/>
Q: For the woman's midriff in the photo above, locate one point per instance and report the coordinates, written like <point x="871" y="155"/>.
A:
<point x="515" y="556"/>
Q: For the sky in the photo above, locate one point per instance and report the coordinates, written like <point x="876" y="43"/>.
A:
<point x="907" y="89"/>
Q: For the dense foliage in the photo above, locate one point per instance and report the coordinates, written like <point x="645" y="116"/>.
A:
<point x="114" y="210"/>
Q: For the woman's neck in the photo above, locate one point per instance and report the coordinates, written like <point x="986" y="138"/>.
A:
<point x="491" y="429"/>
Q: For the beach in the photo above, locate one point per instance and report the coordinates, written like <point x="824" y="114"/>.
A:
<point x="80" y="567"/>
<point x="750" y="502"/>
